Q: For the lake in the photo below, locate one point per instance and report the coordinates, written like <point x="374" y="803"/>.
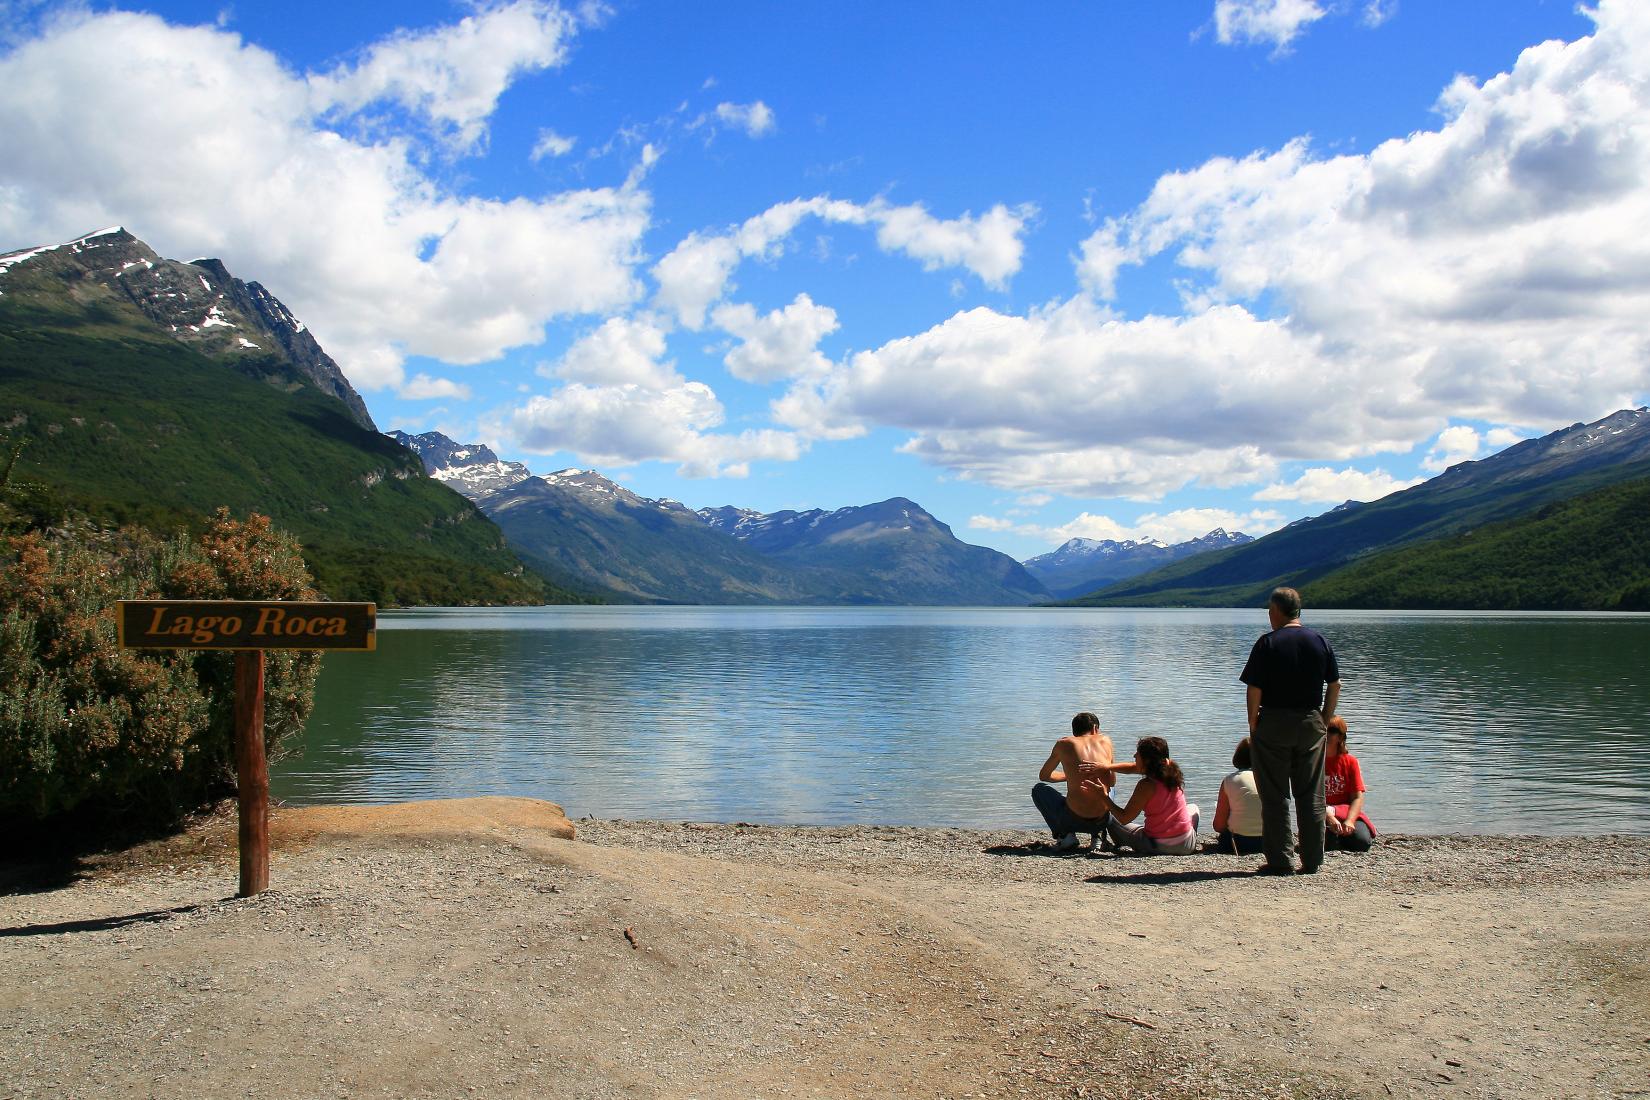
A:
<point x="1463" y="722"/>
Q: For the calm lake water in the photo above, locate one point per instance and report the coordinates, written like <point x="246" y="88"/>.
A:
<point x="1464" y="723"/>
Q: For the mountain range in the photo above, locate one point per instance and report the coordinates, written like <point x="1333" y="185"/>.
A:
<point x="590" y="533"/>
<point x="1081" y="565"/>
<point x="1333" y="550"/>
<point x="137" y="389"/>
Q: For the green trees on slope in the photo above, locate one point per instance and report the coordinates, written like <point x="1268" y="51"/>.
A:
<point x="1587" y="553"/>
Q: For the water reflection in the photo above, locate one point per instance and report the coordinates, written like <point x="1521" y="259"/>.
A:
<point x="1463" y="723"/>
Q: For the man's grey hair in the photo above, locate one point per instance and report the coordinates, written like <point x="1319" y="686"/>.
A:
<point x="1287" y="601"/>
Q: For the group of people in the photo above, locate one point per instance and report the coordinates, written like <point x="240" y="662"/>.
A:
<point x="1296" y="748"/>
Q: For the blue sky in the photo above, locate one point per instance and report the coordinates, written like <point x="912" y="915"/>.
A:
<point x="1103" y="269"/>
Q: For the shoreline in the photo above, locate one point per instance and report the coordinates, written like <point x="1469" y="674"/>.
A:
<point x="468" y="946"/>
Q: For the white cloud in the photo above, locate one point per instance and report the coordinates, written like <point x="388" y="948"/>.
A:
<point x="1323" y="485"/>
<point x="780" y="344"/>
<point x="551" y="144"/>
<point x="989" y="245"/>
<point x="1072" y="399"/>
<point x="1242" y="22"/>
<point x="454" y="75"/>
<point x="1377" y="12"/>
<point x="623" y="425"/>
<point x="1167" y="527"/>
<point x="696" y="273"/>
<point x="1457" y="444"/>
<point x="422" y="387"/>
<point x="620" y="351"/>
<point x="1499" y="439"/>
<point x="693" y="275"/>
<point x="371" y="252"/>
<point x="756" y="119"/>
<point x="805" y="409"/>
<point x="1497" y="268"/>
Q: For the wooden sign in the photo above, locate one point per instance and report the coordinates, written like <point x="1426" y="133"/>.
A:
<point x="250" y="627"/>
<point x="247" y="624"/>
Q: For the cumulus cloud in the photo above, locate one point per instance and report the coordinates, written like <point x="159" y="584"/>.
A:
<point x="1166" y="527"/>
<point x="627" y="424"/>
<point x="1323" y="485"/>
<point x="624" y="402"/>
<point x="1457" y="444"/>
<point x="807" y="410"/>
<point x="1496" y="268"/>
<point x="551" y="144"/>
<point x="696" y="273"/>
<point x="1073" y="399"/>
<point x="365" y="246"/>
<point x="621" y="351"/>
<point x="780" y="344"/>
<point x="756" y="119"/>
<point x="1274" y="22"/>
<point x="693" y="275"/>
<point x="452" y="75"/>
<point x="1499" y="439"/>
<point x="423" y="387"/>
<point x="989" y="245"/>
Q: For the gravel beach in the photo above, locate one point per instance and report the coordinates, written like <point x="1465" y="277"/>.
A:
<point x="478" y="948"/>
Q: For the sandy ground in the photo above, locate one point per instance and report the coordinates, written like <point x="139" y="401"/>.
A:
<point x="472" y="949"/>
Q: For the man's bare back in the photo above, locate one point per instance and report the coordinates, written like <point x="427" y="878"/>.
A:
<point x="1082" y="761"/>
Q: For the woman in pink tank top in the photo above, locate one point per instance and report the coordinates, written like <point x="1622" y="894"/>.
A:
<point x="1170" y="826"/>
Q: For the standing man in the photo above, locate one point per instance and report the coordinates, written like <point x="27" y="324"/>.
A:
<point x="1293" y="686"/>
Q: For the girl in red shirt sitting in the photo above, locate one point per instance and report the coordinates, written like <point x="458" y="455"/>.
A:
<point x="1346" y="826"/>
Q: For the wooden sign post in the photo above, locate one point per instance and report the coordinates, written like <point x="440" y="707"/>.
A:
<point x="249" y="627"/>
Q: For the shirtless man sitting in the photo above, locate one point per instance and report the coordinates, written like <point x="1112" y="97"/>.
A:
<point x="1083" y="762"/>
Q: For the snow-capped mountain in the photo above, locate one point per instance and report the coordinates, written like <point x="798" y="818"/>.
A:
<point x="198" y="303"/>
<point x="895" y="551"/>
<point x="584" y="529"/>
<point x="1622" y="436"/>
<point x="1080" y="566"/>
<point x="593" y="487"/>
<point x="778" y="532"/>
<point x="471" y="468"/>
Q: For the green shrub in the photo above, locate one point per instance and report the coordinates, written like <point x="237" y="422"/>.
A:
<point x="88" y="728"/>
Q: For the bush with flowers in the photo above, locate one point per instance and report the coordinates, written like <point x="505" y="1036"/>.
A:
<point x="90" y="729"/>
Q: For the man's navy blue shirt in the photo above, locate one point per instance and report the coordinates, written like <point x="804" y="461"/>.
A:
<point x="1290" y="666"/>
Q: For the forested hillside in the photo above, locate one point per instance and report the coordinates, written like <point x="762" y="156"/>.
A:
<point x="129" y="428"/>
<point x="1591" y="552"/>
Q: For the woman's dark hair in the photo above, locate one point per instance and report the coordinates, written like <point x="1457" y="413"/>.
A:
<point x="1243" y="758"/>
<point x="1154" y="757"/>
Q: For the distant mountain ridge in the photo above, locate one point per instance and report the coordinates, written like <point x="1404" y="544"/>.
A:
<point x="580" y="527"/>
<point x="199" y="304"/>
<point x="1515" y="482"/>
<point x="1082" y="565"/>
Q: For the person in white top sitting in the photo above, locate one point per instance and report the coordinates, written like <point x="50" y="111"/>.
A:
<point x="1237" y="811"/>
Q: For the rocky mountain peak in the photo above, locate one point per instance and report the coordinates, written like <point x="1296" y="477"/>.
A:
<point x="198" y="303"/>
<point x="471" y="468"/>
